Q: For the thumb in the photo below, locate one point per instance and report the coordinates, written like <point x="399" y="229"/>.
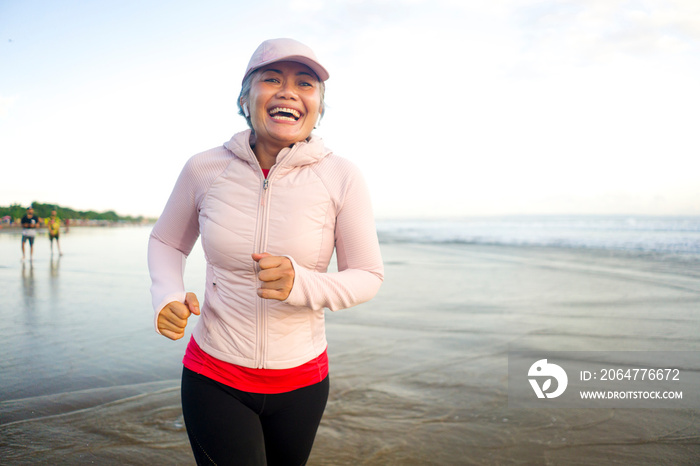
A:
<point x="192" y="303"/>
<point x="257" y="257"/>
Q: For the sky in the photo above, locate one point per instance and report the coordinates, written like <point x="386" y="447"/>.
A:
<point x="451" y="108"/>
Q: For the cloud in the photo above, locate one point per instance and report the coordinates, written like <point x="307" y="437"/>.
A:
<point x="593" y="31"/>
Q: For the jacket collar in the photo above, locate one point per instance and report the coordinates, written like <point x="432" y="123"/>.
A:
<point x="302" y="153"/>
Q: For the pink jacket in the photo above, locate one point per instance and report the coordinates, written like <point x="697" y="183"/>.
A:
<point x="312" y="202"/>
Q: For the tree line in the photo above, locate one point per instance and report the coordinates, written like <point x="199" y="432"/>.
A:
<point x="17" y="211"/>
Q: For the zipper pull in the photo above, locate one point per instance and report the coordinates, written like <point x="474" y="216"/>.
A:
<point x="265" y="184"/>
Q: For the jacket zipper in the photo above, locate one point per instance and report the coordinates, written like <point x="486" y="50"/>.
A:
<point x="261" y="350"/>
<point x="261" y="304"/>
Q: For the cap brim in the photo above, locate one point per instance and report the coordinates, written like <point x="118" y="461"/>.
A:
<point x="316" y="67"/>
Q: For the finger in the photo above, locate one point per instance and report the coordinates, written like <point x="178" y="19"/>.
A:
<point x="169" y="329"/>
<point x="168" y="320"/>
<point x="277" y="262"/>
<point x="257" y="256"/>
<point x="270" y="262"/>
<point x="192" y="303"/>
<point x="178" y="309"/>
<point x="279" y="278"/>
<point x="270" y="275"/>
<point x="172" y="335"/>
<point x="272" y="294"/>
<point x="276" y="289"/>
<point x="274" y="284"/>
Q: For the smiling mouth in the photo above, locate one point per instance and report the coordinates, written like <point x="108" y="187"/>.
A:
<point x="285" y="114"/>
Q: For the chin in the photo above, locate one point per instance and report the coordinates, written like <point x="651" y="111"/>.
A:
<point x="291" y="138"/>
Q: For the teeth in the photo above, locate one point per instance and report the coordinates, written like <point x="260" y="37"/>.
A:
<point x="285" y="110"/>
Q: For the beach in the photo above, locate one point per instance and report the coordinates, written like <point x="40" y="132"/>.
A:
<point x="419" y="375"/>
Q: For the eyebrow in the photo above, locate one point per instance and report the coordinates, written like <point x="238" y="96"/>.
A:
<point x="300" y="73"/>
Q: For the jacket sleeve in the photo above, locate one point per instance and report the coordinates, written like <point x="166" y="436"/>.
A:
<point x="360" y="268"/>
<point x="172" y="239"/>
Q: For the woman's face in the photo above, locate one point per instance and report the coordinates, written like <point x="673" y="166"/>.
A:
<point x="284" y="103"/>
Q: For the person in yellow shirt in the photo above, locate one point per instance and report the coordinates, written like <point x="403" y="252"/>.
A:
<point x="54" y="225"/>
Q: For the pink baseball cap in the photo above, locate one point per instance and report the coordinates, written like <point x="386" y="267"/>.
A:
<point x="274" y="50"/>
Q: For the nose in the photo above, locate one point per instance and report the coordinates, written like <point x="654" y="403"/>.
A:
<point x="286" y="91"/>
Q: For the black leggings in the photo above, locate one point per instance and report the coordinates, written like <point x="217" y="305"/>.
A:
<point x="229" y="426"/>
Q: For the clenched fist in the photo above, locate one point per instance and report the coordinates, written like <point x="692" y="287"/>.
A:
<point x="172" y="320"/>
<point x="277" y="275"/>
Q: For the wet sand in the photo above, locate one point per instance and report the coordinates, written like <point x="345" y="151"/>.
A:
<point x="418" y="376"/>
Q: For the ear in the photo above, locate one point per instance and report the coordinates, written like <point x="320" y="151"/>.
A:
<point x="320" y="115"/>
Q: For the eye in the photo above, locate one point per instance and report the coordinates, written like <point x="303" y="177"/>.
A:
<point x="271" y="80"/>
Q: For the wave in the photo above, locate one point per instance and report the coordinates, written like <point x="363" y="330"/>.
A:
<point x="668" y="235"/>
<point x="61" y="404"/>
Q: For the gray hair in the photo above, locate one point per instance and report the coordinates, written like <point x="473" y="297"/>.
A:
<point x="245" y="93"/>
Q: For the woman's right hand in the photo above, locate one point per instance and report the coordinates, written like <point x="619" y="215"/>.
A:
<point x="172" y="320"/>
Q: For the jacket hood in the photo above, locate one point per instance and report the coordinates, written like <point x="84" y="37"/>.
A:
<point x="301" y="153"/>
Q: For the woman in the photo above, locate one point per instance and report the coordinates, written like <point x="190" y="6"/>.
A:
<point x="270" y="205"/>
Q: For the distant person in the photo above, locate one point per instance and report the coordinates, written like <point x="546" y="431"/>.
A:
<point x="54" y="225"/>
<point x="30" y="223"/>
<point x="270" y="205"/>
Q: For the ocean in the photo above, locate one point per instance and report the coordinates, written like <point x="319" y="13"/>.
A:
<point x="419" y="375"/>
<point x="640" y="234"/>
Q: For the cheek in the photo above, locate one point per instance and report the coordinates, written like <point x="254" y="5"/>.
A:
<point x="257" y="111"/>
<point x="314" y="108"/>
<point x="255" y="105"/>
<point x="256" y="99"/>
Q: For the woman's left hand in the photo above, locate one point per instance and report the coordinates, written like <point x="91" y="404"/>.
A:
<point x="277" y="275"/>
